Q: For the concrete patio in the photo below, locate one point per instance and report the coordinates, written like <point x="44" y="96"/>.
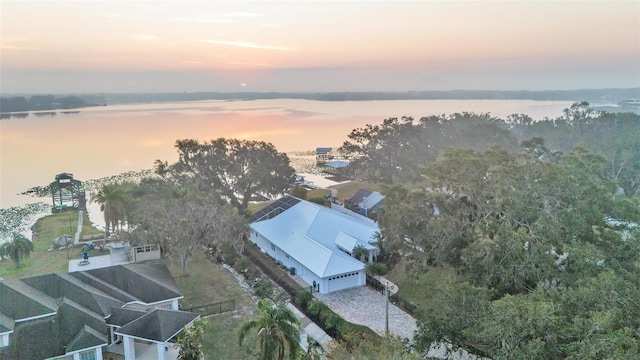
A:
<point x="118" y="255"/>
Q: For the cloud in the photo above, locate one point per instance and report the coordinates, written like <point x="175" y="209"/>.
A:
<point x="204" y="19"/>
<point x="145" y="37"/>
<point x="252" y="15"/>
<point x="247" y="44"/>
<point x="14" y="47"/>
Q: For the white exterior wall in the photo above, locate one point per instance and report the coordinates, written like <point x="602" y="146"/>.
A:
<point x="162" y="352"/>
<point x="4" y="340"/>
<point x="129" y="348"/>
<point x="301" y="271"/>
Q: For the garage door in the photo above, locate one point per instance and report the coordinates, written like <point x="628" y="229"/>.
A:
<point x="343" y="281"/>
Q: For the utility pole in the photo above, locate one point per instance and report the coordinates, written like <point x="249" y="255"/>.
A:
<point x="386" y="318"/>
<point x="66" y="246"/>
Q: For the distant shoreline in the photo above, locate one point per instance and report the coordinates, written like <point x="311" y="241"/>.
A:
<point x="604" y="95"/>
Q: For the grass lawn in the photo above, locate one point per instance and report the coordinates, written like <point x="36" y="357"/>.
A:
<point x="417" y="289"/>
<point x="209" y="283"/>
<point x="43" y="261"/>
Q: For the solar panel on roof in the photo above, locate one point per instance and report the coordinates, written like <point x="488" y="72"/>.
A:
<point x="275" y="208"/>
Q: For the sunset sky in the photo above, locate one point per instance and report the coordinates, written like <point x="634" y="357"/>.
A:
<point x="175" y="46"/>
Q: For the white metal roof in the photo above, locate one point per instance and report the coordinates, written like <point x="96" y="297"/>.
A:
<point x="371" y="200"/>
<point x="308" y="232"/>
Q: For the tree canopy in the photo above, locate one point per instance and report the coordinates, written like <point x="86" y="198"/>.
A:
<point x="530" y="236"/>
<point x="182" y="219"/>
<point x="236" y="169"/>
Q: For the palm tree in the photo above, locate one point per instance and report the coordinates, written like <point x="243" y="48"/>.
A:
<point x="375" y="268"/>
<point x="113" y="202"/>
<point x="360" y="252"/>
<point x="277" y="331"/>
<point x="17" y="249"/>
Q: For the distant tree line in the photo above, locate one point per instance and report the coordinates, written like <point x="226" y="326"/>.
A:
<point x="40" y="102"/>
<point x="397" y="149"/>
<point x="591" y="95"/>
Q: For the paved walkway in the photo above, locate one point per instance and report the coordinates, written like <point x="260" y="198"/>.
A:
<point x="309" y="328"/>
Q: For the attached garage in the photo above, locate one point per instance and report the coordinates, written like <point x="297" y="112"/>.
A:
<point x="344" y="281"/>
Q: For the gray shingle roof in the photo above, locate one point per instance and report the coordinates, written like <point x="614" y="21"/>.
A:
<point x="22" y="301"/>
<point x="149" y="283"/>
<point x="87" y="337"/>
<point x="78" y="304"/>
<point x="6" y="323"/>
<point x="159" y="325"/>
<point x="122" y="316"/>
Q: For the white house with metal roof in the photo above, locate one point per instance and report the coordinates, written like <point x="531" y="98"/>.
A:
<point x="315" y="242"/>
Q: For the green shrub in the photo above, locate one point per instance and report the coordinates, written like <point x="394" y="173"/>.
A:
<point x="227" y="253"/>
<point x="375" y="268"/>
<point x="302" y="298"/>
<point x="299" y="192"/>
<point x="263" y="288"/>
<point x="242" y="264"/>
<point x="318" y="200"/>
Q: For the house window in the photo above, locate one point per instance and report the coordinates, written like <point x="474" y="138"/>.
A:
<point x="273" y="247"/>
<point x="287" y="255"/>
<point x="144" y="249"/>
<point x="88" y="355"/>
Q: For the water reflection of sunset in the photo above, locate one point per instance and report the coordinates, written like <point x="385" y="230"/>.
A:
<point x="104" y="141"/>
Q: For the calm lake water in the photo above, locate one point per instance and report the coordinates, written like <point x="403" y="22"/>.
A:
<point x="102" y="141"/>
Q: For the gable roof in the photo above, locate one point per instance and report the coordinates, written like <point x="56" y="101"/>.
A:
<point x="365" y="199"/>
<point x="6" y="324"/>
<point x="66" y="312"/>
<point x="23" y="301"/>
<point x="359" y="196"/>
<point x="86" y="338"/>
<point x="159" y="325"/>
<point x="65" y="285"/>
<point x="139" y="282"/>
<point x="308" y="232"/>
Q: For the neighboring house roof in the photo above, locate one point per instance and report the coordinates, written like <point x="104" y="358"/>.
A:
<point x="365" y="199"/>
<point x="138" y="282"/>
<point x="337" y="164"/>
<point x="159" y="325"/>
<point x="6" y="324"/>
<point x="23" y="301"/>
<point x="308" y="232"/>
<point x="86" y="338"/>
<point x="372" y="200"/>
<point x="66" y="312"/>
<point x="360" y="195"/>
<point x="122" y="316"/>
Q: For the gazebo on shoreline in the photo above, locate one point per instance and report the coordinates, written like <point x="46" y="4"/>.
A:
<point x="67" y="193"/>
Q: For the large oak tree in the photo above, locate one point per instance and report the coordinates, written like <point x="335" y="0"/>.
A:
<point x="237" y="169"/>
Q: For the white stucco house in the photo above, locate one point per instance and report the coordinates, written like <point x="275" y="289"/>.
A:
<point x="315" y="242"/>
